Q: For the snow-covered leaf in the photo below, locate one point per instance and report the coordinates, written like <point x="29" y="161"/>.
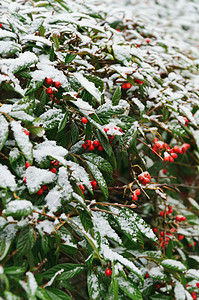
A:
<point x="19" y="208"/>
<point x="4" y="131"/>
<point x="7" y="179"/>
<point x="173" y="264"/>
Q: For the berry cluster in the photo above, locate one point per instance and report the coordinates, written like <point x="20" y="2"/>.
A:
<point x="139" y="81"/>
<point x="51" y="89"/>
<point x="180" y="218"/>
<point x="135" y="195"/>
<point x="93" y="184"/>
<point x="88" y="144"/>
<point x="170" y="153"/>
<point x="144" y="177"/>
<point x="126" y="86"/>
<point x="169" y="211"/>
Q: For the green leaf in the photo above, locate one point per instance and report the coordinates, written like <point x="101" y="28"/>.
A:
<point x="63" y="122"/>
<point x="105" y="143"/>
<point x="42" y="294"/>
<point x="52" y="53"/>
<point x="99" y="178"/>
<point x="74" y="132"/>
<point x="56" y="294"/>
<point x="56" y="41"/>
<point x="4" y="131"/>
<point x="69" y="58"/>
<point x="93" y="285"/>
<point x="173" y="265"/>
<point x="99" y="161"/>
<point x="8" y="179"/>
<point x="14" y="270"/>
<point x="25" y="241"/>
<point x="129" y="289"/>
<point x="85" y="219"/>
<point x="70" y="270"/>
<point x="17" y="162"/>
<point x="10" y="296"/>
<point x="117" y="96"/>
<point x="5" y="245"/>
<point x="130" y="139"/>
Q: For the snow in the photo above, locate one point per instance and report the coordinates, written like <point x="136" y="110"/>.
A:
<point x="32" y="284"/>
<point x="3" y="130"/>
<point x="22" y="139"/>
<point x="36" y="177"/>
<point x="179" y="291"/>
<point x="173" y="264"/>
<point x="88" y="85"/>
<point x="49" y="148"/>
<point x="7" y="179"/>
<point x="19" y="205"/>
<point x="50" y="282"/>
<point x="78" y="173"/>
<point x="45" y="227"/>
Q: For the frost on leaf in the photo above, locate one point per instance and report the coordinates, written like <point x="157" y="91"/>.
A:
<point x="7" y="179"/>
<point x="19" y="208"/>
<point x="173" y="264"/>
<point x="22" y="140"/>
<point x="179" y="291"/>
<point x="4" y="131"/>
<point x="49" y="148"/>
<point x="36" y="177"/>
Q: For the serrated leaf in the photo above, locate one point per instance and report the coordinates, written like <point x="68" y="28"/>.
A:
<point x="99" y="178"/>
<point x="157" y="273"/>
<point x="42" y="294"/>
<point x="4" y="131"/>
<point x="179" y="291"/>
<point x="56" y="294"/>
<point x="93" y="285"/>
<point x="70" y="270"/>
<point x="25" y="241"/>
<point x="85" y="219"/>
<point x="105" y="143"/>
<point x="5" y="245"/>
<point x="33" y="87"/>
<point x="14" y="270"/>
<point x="117" y="96"/>
<point x="74" y="132"/>
<point x="192" y="273"/>
<point x="129" y="289"/>
<point x="69" y="58"/>
<point x="99" y="161"/>
<point x="173" y="265"/>
<point x="63" y="122"/>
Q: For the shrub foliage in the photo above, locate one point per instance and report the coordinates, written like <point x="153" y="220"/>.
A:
<point x="99" y="139"/>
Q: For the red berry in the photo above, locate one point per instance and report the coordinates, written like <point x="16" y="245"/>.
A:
<point x="88" y="142"/>
<point x="147" y="275"/>
<point x="182" y="219"/>
<point x="164" y="171"/>
<point x="161" y="233"/>
<point x="190" y="245"/>
<point x="108" y="272"/>
<point x="175" y="149"/>
<point x="137" y="81"/>
<point x="197" y="284"/>
<point x="174" y="155"/>
<point x="100" y="148"/>
<point x="173" y="230"/>
<point x="57" y="84"/>
<point x="27" y="165"/>
<point x="94" y="183"/>
<point x="145" y="181"/>
<point x="106" y="129"/>
<point x="26" y="132"/>
<point x="81" y="186"/>
<point x="1" y="25"/>
<point x="124" y="86"/>
<point x="194" y="296"/>
<point x="40" y="191"/>
<point x="148" y="40"/>
<point x="137" y="192"/>
<point x="140" y="177"/>
<point x="180" y="237"/>
<point x="178" y="218"/>
<point x="91" y="147"/>
<point x="134" y="197"/>
<point x="155" y="140"/>
<point x="161" y="214"/>
<point x="49" y="91"/>
<point x="128" y="85"/>
<point x="155" y="230"/>
<point x="84" y="145"/>
<point x="53" y="170"/>
<point x="24" y="180"/>
<point x="49" y="81"/>
<point x="44" y="187"/>
<point x="96" y="143"/>
<point x="194" y="243"/>
<point x="84" y="120"/>
<point x="117" y="30"/>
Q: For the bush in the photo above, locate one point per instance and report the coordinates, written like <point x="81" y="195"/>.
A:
<point x="99" y="128"/>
